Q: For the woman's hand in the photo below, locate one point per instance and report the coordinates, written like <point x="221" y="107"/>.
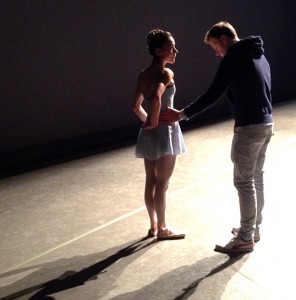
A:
<point x="148" y="126"/>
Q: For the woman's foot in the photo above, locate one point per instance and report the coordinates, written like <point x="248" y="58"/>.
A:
<point x="152" y="232"/>
<point x="170" y="234"/>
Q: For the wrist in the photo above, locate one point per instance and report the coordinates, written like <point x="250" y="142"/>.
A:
<point x="183" y="116"/>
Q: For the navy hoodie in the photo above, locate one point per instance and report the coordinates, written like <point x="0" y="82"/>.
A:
<point x="245" y="72"/>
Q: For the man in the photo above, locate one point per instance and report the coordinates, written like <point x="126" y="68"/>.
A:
<point x="245" y="72"/>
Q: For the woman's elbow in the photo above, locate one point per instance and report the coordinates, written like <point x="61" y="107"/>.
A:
<point x="135" y="109"/>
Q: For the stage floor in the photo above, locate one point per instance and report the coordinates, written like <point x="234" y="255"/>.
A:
<point x="77" y="230"/>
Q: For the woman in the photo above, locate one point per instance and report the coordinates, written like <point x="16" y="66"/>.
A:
<point x="158" y="143"/>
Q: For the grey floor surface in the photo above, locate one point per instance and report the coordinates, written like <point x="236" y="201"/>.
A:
<point x="76" y="230"/>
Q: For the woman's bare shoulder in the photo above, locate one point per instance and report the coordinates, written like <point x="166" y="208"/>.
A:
<point x="168" y="76"/>
<point x="168" y="72"/>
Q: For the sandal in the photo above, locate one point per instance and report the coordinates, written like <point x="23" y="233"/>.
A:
<point x="167" y="234"/>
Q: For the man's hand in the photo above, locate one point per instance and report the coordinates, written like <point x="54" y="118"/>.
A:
<point x="170" y="115"/>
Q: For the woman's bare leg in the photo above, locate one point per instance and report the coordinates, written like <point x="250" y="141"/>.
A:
<point x="150" y="186"/>
<point x="158" y="174"/>
<point x="164" y="170"/>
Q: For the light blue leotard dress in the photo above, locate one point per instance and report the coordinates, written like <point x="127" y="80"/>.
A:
<point x="166" y="138"/>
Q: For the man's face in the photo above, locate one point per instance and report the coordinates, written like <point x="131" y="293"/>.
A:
<point x="220" y="45"/>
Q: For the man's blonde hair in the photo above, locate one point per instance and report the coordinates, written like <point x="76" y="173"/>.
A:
<point x="219" y="29"/>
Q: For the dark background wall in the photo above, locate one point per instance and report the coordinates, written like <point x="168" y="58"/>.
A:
<point x="69" y="68"/>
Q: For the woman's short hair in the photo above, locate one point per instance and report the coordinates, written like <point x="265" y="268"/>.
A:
<point x="156" y="38"/>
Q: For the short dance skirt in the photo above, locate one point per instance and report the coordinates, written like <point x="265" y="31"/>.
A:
<point x="165" y="139"/>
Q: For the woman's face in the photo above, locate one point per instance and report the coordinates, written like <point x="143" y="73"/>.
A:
<point x="168" y="51"/>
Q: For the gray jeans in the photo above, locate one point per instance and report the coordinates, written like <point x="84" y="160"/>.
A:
<point x="248" y="153"/>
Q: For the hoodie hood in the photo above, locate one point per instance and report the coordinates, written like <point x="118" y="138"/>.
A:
<point x="251" y="46"/>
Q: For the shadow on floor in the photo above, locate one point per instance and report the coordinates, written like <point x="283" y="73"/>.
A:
<point x="70" y="278"/>
<point x="182" y="282"/>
